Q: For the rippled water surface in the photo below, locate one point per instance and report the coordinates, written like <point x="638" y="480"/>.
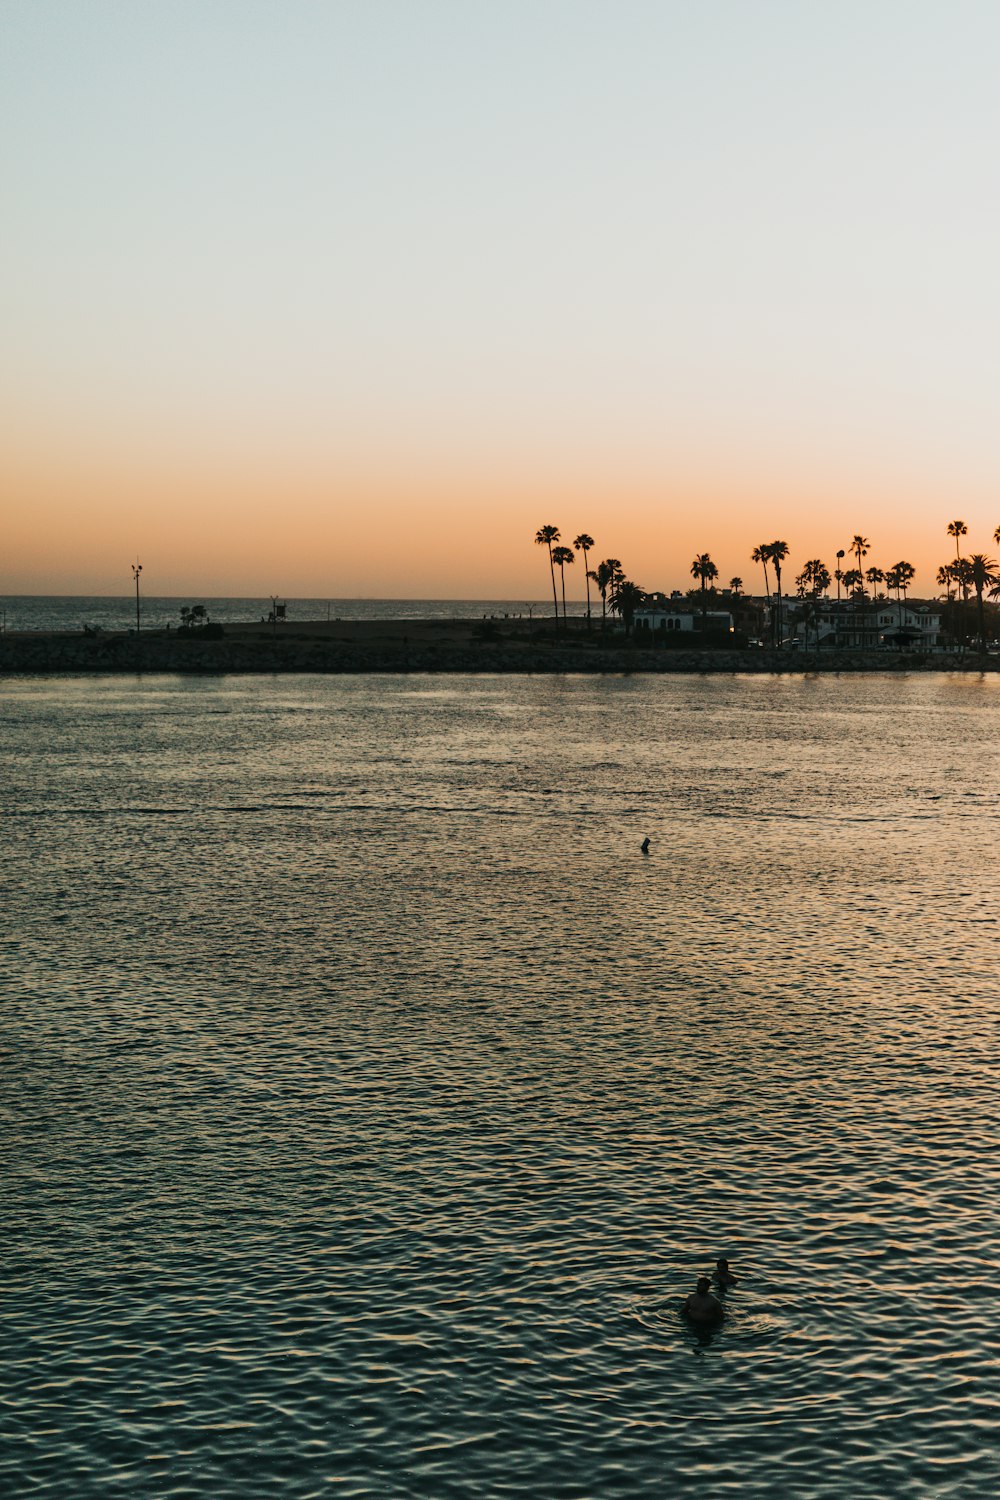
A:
<point x="371" y="1103"/>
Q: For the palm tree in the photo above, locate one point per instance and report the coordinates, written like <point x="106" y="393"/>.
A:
<point x="544" y="537"/>
<point x="777" y="552"/>
<point x="814" y="578"/>
<point x="736" y="586"/>
<point x="963" y="575"/>
<point x="626" y="599"/>
<point x="602" y="578"/>
<point x="958" y="529"/>
<point x="874" y="576"/>
<point x="583" y="543"/>
<point x="704" y="568"/>
<point x="898" y="578"/>
<point x="859" y="546"/>
<point x="852" y="580"/>
<point x="562" y="556"/>
<point x="605" y="576"/>
<point x="945" y="578"/>
<point x="761" y="555"/>
<point x="962" y="569"/>
<point x="983" y="574"/>
<point x="996" y="535"/>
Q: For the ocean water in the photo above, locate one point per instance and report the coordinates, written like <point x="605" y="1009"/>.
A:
<point x="370" y="1103"/>
<point x="112" y="612"/>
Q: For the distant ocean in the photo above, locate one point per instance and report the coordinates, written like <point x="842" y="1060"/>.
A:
<point x="112" y="612"/>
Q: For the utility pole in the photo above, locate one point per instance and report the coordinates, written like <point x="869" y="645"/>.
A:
<point x="136" y="570"/>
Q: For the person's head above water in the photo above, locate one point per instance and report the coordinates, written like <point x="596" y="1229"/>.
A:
<point x="723" y="1275"/>
<point x="703" y="1284"/>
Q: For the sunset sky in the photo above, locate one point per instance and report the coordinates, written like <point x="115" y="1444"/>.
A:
<point x="349" y="298"/>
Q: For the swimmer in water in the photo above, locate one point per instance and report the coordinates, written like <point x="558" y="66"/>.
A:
<point x="645" y="846"/>
<point x="701" y="1306"/>
<point x="722" y="1275"/>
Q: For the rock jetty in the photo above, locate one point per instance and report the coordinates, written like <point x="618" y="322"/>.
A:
<point x="423" y="646"/>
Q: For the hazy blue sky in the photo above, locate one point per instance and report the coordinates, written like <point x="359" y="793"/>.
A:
<point x="331" y="289"/>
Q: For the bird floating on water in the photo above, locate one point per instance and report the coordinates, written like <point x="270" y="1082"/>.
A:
<point x="645" y="846"/>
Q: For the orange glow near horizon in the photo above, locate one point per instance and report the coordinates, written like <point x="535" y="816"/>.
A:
<point x="417" y="529"/>
<point x="347" y="301"/>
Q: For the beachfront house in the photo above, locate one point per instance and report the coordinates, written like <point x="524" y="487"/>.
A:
<point x="863" y="624"/>
<point x="664" y="616"/>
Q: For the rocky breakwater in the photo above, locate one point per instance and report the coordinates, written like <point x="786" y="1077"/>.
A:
<point x="422" y="646"/>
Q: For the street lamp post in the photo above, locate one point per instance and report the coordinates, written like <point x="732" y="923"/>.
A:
<point x="136" y="570"/>
<point x="840" y="571"/>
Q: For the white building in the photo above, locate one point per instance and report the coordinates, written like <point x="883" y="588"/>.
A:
<point x="668" y="615"/>
<point x="862" y="625"/>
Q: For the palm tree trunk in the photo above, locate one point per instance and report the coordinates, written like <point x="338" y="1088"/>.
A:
<point x="562" y="576"/>
<point x="552" y="570"/>
<point x="586" y="578"/>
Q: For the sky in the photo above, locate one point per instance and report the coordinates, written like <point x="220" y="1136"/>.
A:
<point x="347" y="299"/>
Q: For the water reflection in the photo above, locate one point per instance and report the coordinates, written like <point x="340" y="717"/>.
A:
<point x="374" y="1104"/>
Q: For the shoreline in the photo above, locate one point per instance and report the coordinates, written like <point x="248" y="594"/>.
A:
<point x="504" y="647"/>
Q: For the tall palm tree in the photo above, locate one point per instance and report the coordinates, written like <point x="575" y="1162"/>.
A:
<point x="777" y="552"/>
<point x="859" y="546"/>
<point x="602" y="578"/>
<point x="583" y="543"/>
<point x="907" y="573"/>
<point x="762" y="555"/>
<point x="704" y="568"/>
<point x="626" y="599"/>
<point x="736" y="586"/>
<point x="945" y="578"/>
<point x="605" y="575"/>
<point x="544" y="537"/>
<point x="561" y="556"/>
<point x="984" y="574"/>
<point x="962" y="569"/>
<point x="958" y="529"/>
